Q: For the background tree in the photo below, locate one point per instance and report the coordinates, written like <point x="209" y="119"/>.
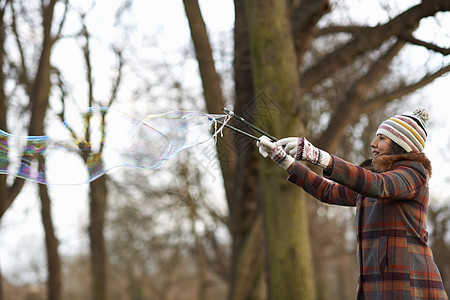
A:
<point x="91" y="150"/>
<point x="34" y="81"/>
<point x="32" y="76"/>
<point x="439" y="221"/>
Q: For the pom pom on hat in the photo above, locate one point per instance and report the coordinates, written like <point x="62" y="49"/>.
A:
<point x="408" y="131"/>
<point x="423" y="114"/>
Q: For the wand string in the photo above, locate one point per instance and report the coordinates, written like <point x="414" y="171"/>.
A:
<point x="238" y="130"/>
<point x="231" y="113"/>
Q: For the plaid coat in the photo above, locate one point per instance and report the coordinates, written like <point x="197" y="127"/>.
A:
<point x="391" y="198"/>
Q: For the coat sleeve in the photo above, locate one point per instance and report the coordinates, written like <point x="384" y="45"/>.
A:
<point x="404" y="181"/>
<point x="321" y="188"/>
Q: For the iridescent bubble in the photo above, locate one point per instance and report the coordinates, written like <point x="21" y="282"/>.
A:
<point x="104" y="139"/>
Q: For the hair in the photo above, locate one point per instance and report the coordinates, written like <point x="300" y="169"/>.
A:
<point x="396" y="149"/>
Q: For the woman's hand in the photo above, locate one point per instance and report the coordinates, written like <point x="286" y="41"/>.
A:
<point x="301" y="149"/>
<point x="275" y="152"/>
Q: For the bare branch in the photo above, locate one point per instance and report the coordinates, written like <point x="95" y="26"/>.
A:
<point x="116" y="82"/>
<point x="3" y="61"/>
<point x="350" y="107"/>
<point x="87" y="60"/>
<point x="360" y="44"/>
<point x="430" y="46"/>
<point x="383" y="99"/>
<point x="304" y="24"/>
<point x="62" y="88"/>
<point x="124" y="7"/>
<point x="63" y="20"/>
<point x="89" y="79"/>
<point x="23" y="71"/>
<point x="3" y="5"/>
<point x="47" y="20"/>
<point x="342" y="29"/>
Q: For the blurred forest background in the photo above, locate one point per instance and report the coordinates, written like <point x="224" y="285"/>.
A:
<point x="218" y="221"/>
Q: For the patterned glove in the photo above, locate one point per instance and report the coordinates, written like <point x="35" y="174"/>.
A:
<point x="301" y="149"/>
<point x="276" y="153"/>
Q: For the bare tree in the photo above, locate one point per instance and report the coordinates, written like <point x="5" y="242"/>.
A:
<point x="34" y="80"/>
<point x="159" y="247"/>
<point x="98" y="192"/>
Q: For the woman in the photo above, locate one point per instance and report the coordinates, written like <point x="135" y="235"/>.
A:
<point x="390" y="192"/>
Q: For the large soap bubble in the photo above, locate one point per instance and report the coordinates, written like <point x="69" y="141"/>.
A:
<point x="108" y="139"/>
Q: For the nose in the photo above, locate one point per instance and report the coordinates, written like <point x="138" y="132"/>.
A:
<point x="374" y="143"/>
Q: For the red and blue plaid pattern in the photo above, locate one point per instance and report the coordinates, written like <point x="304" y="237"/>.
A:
<point x="394" y="259"/>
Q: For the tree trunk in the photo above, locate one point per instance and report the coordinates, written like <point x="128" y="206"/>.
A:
<point x="245" y="224"/>
<point x="211" y="84"/>
<point x="234" y="152"/>
<point x="248" y="269"/>
<point x="53" y="259"/>
<point x="98" y="194"/>
<point x="290" y="274"/>
<point x="3" y="141"/>
<point x="38" y="95"/>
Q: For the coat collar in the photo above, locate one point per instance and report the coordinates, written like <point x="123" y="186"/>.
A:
<point x="385" y="162"/>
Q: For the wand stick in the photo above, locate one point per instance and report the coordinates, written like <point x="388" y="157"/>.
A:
<point x="230" y="113"/>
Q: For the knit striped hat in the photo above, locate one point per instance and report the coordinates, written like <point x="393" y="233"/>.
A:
<point x="408" y="131"/>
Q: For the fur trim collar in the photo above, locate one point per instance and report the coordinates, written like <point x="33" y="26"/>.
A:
<point x="385" y="162"/>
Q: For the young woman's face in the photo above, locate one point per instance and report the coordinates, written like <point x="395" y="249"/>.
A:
<point x="380" y="145"/>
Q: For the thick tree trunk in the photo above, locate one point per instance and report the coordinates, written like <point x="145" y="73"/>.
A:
<point x="290" y="274"/>
<point x="245" y="224"/>
<point x="98" y="195"/>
